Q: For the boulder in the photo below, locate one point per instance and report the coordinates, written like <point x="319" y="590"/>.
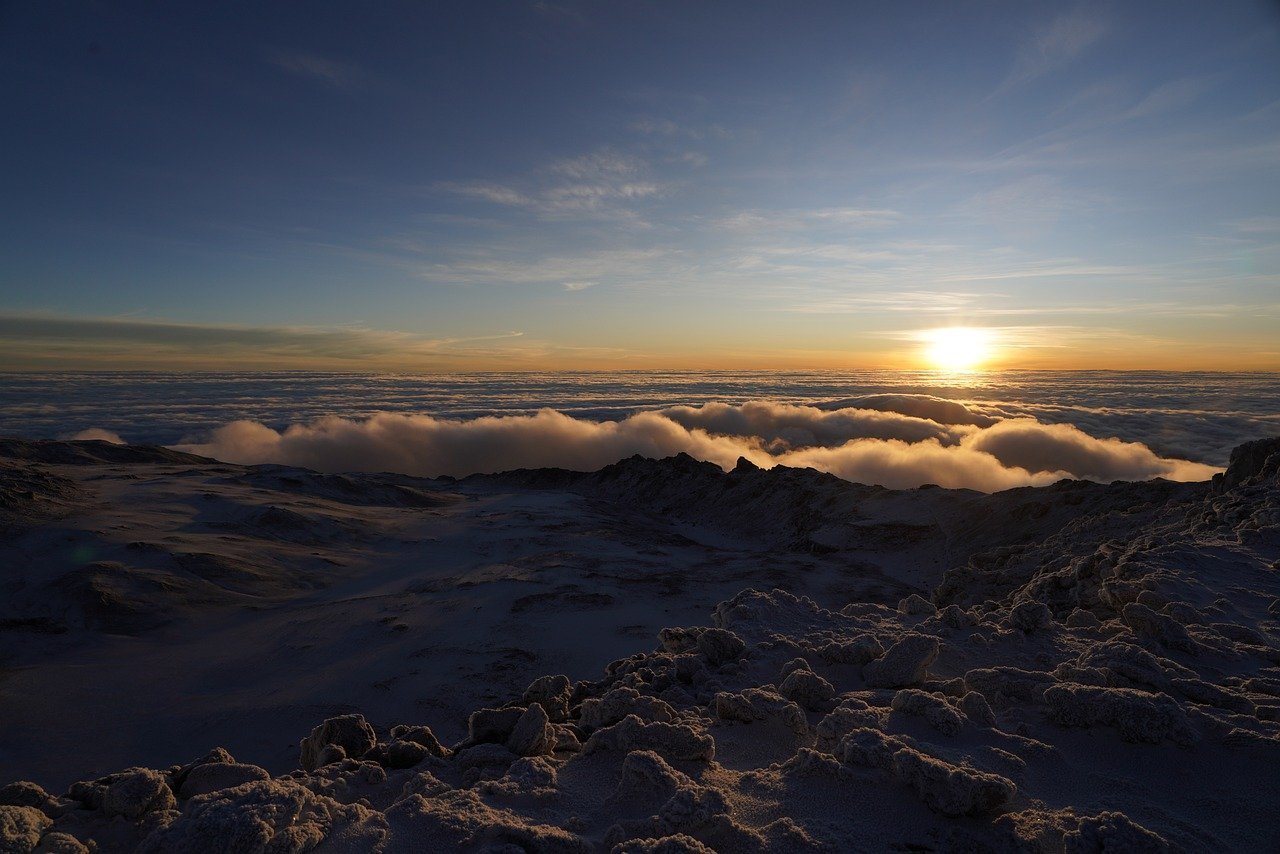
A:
<point x="493" y="725"/>
<point x="1166" y="631"/>
<point x="1138" y="715"/>
<point x="213" y="776"/>
<point x="137" y="792"/>
<point x="1030" y="616"/>
<point x="421" y="735"/>
<point x="352" y="733"/>
<point x="932" y="707"/>
<point x="21" y="828"/>
<point x="917" y="605"/>
<point x="671" y="741"/>
<point x="952" y="790"/>
<point x="533" y="734"/>
<point x="720" y="646"/>
<point x="807" y="688"/>
<point x="905" y="663"/>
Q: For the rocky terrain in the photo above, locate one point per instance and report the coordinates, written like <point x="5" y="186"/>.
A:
<point x="658" y="656"/>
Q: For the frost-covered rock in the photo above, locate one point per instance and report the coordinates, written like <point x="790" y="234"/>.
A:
<point x="1029" y="616"/>
<point x="679" y="804"/>
<point x="484" y="757"/>
<point x="850" y="715"/>
<point x="647" y="776"/>
<point x="945" y="787"/>
<point x="269" y="815"/>
<point x="904" y="664"/>
<point x="212" y="776"/>
<point x="917" y="605"/>
<point x="553" y="694"/>
<point x="21" y="828"/>
<point x="956" y="617"/>
<point x="533" y="734"/>
<point x="676" y="640"/>
<point x="856" y="650"/>
<point x="1126" y="665"/>
<point x="1166" y="631"/>
<point x="350" y="732"/>
<point x="329" y="754"/>
<point x="868" y="748"/>
<point x="1011" y="683"/>
<point x="423" y="783"/>
<point x="27" y="794"/>
<point x="672" y="741"/>
<point x="1082" y="619"/>
<point x="977" y="709"/>
<point x="1251" y="463"/>
<point x="217" y="756"/>
<point x="57" y="842"/>
<point x="616" y="704"/>
<point x="1208" y="694"/>
<point x="951" y="789"/>
<point x="399" y="754"/>
<point x="531" y="776"/>
<point x="932" y="707"/>
<point x="807" y="688"/>
<point x="1138" y="715"/>
<point x="1187" y="615"/>
<point x="759" y="704"/>
<point x="566" y="739"/>
<point x="345" y="780"/>
<point x="136" y="792"/>
<point x="720" y="646"/>
<point x="422" y="735"/>
<point x="1111" y="832"/>
<point x="677" y="844"/>
<point x="493" y="725"/>
<point x="460" y="820"/>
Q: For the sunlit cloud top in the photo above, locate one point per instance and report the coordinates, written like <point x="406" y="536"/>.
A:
<point x="667" y="185"/>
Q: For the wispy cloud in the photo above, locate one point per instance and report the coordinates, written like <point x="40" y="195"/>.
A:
<point x="498" y="194"/>
<point x="339" y="75"/>
<point x="1030" y="205"/>
<point x="572" y="272"/>
<point x="668" y="128"/>
<point x="1055" y="45"/>
<point x="1258" y="225"/>
<point x="1170" y="96"/>
<point x="597" y="165"/>
<point x="915" y="302"/>
<point x="802" y="219"/>
<point x="604" y="182"/>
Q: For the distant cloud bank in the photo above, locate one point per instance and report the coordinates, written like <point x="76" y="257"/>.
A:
<point x="899" y="441"/>
<point x="96" y="434"/>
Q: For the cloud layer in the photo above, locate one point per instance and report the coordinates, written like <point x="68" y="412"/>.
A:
<point x="889" y="448"/>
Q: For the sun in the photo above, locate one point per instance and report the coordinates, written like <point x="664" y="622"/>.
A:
<point x="958" y="348"/>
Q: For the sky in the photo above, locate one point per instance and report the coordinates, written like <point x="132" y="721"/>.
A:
<point x="426" y="186"/>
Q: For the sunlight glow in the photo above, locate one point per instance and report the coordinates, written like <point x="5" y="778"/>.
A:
<point x="959" y="348"/>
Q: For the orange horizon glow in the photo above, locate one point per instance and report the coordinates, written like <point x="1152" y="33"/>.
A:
<point x="37" y="343"/>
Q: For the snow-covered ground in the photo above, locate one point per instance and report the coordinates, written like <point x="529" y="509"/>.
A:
<point x="1054" y="667"/>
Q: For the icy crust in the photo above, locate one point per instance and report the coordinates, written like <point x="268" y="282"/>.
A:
<point x="1120" y="698"/>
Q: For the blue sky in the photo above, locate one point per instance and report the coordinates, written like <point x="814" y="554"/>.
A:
<point x="644" y="185"/>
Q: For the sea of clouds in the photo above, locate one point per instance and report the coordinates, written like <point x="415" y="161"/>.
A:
<point x="986" y="432"/>
<point x="866" y="445"/>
